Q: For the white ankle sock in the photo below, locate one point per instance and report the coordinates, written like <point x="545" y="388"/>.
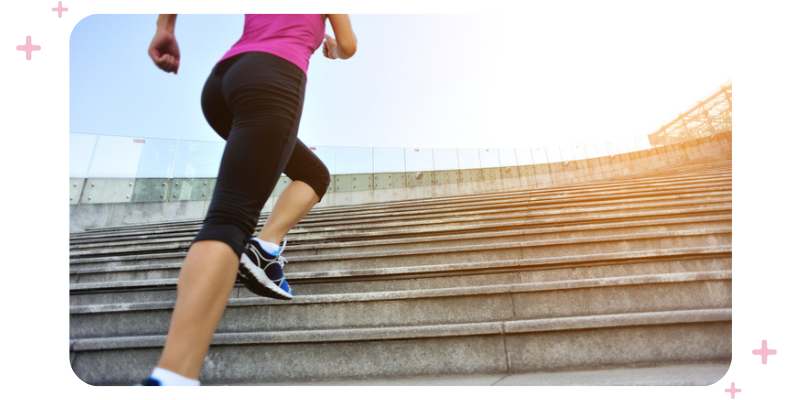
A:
<point x="169" y="378"/>
<point x="269" y="247"/>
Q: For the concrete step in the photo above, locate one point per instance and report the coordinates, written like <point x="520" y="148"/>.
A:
<point x="580" y="297"/>
<point x="159" y="244"/>
<point x="522" y="232"/>
<point x="519" y="206"/>
<point x="433" y="201"/>
<point x="553" y="225"/>
<point x="473" y="224"/>
<point x="161" y="266"/>
<point x="438" y="276"/>
<point x="473" y="348"/>
<point x="607" y="274"/>
<point x="429" y="205"/>
<point x="300" y="233"/>
<point x="666" y="374"/>
<point x="547" y="225"/>
<point x="455" y="221"/>
<point x="555" y="192"/>
<point x="628" y="190"/>
<point x="679" y="168"/>
<point x="463" y="225"/>
<point x="557" y="221"/>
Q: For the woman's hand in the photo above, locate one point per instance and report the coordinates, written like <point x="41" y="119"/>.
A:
<point x="329" y="46"/>
<point x="163" y="49"/>
<point x="344" y="44"/>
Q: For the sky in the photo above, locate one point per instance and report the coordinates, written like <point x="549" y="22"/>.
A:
<point x="556" y="77"/>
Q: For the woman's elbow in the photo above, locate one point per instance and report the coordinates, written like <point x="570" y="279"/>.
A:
<point x="345" y="54"/>
<point x="347" y="50"/>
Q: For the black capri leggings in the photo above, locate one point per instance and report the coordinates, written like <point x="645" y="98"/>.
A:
<point x="254" y="101"/>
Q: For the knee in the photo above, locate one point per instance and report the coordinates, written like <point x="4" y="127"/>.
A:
<point x="319" y="178"/>
<point x="231" y="219"/>
<point x="322" y="181"/>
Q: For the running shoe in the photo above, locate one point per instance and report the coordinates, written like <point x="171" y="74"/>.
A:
<point x="262" y="272"/>
<point x="149" y="382"/>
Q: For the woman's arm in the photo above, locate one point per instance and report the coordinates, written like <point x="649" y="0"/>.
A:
<point x="163" y="49"/>
<point x="344" y="44"/>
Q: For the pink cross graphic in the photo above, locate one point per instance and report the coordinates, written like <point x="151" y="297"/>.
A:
<point x="28" y="48"/>
<point x="733" y="390"/>
<point x="60" y="9"/>
<point x="764" y="352"/>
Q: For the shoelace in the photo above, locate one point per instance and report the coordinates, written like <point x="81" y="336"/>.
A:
<point x="282" y="261"/>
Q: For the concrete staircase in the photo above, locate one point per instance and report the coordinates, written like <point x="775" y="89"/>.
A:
<point x="617" y="273"/>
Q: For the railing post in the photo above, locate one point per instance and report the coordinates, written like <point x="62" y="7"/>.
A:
<point x="91" y="159"/>
<point x="175" y="158"/>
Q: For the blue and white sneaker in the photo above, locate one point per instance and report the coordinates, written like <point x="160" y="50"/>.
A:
<point x="149" y="382"/>
<point x="262" y="272"/>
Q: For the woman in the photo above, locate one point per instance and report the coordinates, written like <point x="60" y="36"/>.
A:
<point x="253" y="99"/>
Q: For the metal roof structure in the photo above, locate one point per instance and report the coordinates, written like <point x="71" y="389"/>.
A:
<point x="706" y="118"/>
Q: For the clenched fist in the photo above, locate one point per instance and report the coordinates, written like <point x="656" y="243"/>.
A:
<point x="164" y="51"/>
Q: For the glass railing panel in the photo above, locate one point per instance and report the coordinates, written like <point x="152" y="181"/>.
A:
<point x="419" y="159"/>
<point x="469" y="158"/>
<point x="116" y="157"/>
<point x="540" y="155"/>
<point x="631" y="145"/>
<point x="620" y="147"/>
<point x="198" y="159"/>
<point x="524" y="156"/>
<point x="580" y="152"/>
<point x="81" y="147"/>
<point x="445" y="159"/>
<point x="508" y="157"/>
<point x="489" y="158"/>
<point x="611" y="148"/>
<point x="157" y="158"/>
<point x="590" y="149"/>
<point x="554" y="154"/>
<point x="353" y="160"/>
<point x="567" y="153"/>
<point x="128" y="157"/>
<point x="389" y="159"/>
<point x="328" y="156"/>
<point x="643" y="143"/>
<point x="602" y="149"/>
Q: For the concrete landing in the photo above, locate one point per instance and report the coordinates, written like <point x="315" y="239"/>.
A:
<point x="666" y="375"/>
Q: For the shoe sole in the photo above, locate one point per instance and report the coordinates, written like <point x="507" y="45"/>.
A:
<point x="256" y="280"/>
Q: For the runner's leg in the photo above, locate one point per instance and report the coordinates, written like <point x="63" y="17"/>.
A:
<point x="264" y="95"/>
<point x="310" y="180"/>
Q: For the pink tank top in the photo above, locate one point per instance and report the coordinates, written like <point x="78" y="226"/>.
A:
<point x="293" y="37"/>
